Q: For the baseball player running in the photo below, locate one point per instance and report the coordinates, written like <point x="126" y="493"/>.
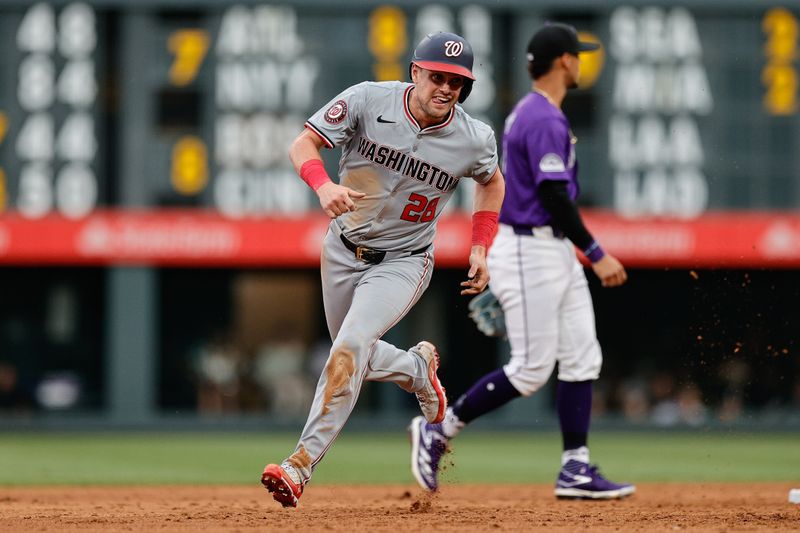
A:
<point x="405" y="147"/>
<point x="538" y="279"/>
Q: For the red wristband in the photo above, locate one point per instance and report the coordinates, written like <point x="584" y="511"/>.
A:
<point x="313" y="173"/>
<point x="484" y="227"/>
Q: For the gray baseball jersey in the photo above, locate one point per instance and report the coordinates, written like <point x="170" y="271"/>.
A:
<point x="407" y="174"/>
<point x="407" y="182"/>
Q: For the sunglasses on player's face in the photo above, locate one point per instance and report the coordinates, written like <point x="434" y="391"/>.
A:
<point x="440" y="78"/>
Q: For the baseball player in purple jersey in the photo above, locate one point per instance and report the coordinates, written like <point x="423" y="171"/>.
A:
<point x="405" y="147"/>
<point x="538" y="280"/>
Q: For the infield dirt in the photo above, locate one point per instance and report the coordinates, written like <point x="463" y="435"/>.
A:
<point x="654" y="507"/>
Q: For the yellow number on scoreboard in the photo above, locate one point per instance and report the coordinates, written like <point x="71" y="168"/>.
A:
<point x="591" y="64"/>
<point x="189" y="166"/>
<point x="3" y="126"/>
<point x="781" y="26"/>
<point x="2" y="190"/>
<point x="387" y="42"/>
<point x="781" y="82"/>
<point x="779" y="74"/>
<point x="190" y="47"/>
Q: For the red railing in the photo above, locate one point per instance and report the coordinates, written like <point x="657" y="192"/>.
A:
<point x="192" y="237"/>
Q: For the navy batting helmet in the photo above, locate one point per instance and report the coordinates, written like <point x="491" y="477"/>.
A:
<point x="446" y="52"/>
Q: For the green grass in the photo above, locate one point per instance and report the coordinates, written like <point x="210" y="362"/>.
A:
<point x="480" y="457"/>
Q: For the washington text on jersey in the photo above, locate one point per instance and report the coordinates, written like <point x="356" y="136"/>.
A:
<point x="406" y="165"/>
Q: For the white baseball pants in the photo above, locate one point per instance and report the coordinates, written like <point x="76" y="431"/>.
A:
<point x="549" y="315"/>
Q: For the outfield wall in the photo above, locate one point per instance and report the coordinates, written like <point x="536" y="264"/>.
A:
<point x="158" y="255"/>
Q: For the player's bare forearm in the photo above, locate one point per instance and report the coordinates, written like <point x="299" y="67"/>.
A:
<point x="489" y="195"/>
<point x="305" y="147"/>
<point x="488" y="200"/>
<point x="334" y="199"/>
<point x="478" y="272"/>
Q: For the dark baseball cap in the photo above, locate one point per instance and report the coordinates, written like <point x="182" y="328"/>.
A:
<point x="445" y="52"/>
<point x="555" y="39"/>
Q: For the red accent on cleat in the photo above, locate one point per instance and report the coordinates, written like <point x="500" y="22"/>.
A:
<point x="440" y="392"/>
<point x="283" y="489"/>
<point x="433" y="378"/>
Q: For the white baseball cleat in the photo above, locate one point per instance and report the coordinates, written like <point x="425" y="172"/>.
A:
<point x="432" y="398"/>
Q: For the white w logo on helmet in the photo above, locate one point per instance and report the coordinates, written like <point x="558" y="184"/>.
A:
<point x="453" y="48"/>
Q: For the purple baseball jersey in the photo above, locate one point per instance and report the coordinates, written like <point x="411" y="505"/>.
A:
<point x="537" y="146"/>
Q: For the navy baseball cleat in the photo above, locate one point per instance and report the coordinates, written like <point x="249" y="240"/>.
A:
<point x="283" y="481"/>
<point x="579" y="480"/>
<point x="428" y="446"/>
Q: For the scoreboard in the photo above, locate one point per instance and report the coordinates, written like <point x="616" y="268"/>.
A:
<point x="701" y="110"/>
<point x="50" y="156"/>
<point x="111" y="106"/>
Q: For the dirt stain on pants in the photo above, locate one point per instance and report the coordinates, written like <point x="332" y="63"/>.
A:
<point x="339" y="370"/>
<point x="300" y="459"/>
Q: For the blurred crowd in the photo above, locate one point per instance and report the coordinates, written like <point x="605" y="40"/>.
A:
<point x="280" y="375"/>
<point x="735" y="390"/>
<point x="280" y="378"/>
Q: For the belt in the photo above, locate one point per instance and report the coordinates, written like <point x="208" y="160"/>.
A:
<point x="371" y="255"/>
<point x="539" y="231"/>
